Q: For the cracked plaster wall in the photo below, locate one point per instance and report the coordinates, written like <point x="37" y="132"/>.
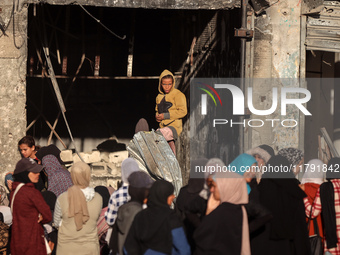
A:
<point x="276" y="55"/>
<point x="12" y="86"/>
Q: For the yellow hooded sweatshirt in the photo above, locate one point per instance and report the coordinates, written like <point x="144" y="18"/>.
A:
<point x="174" y="106"/>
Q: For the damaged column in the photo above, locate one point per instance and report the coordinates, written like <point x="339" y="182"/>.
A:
<point x="13" y="55"/>
<point x="277" y="56"/>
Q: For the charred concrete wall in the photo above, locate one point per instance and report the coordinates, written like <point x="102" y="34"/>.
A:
<point x="12" y="83"/>
<point x="159" y="4"/>
<point x="216" y="54"/>
<point x="276" y="55"/>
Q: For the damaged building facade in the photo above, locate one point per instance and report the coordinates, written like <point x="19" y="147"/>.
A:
<point x="106" y="57"/>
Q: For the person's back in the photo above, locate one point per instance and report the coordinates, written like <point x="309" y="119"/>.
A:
<point x="327" y="201"/>
<point x="126" y="215"/>
<point x="121" y="196"/>
<point x="69" y="239"/>
<point x="29" y="210"/>
<point x="76" y="213"/>
<point x="157" y="228"/>
<point x="225" y="229"/>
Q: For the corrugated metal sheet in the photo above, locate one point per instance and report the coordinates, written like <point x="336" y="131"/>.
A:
<point x="310" y="5"/>
<point x="155" y="157"/>
<point x="323" y="28"/>
<point x="153" y="4"/>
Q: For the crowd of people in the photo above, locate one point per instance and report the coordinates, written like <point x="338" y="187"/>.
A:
<point x="246" y="210"/>
<point x="249" y="209"/>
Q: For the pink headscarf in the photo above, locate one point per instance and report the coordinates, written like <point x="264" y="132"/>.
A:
<point x="233" y="189"/>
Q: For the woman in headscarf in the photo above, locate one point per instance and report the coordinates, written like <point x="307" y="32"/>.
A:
<point x="76" y="214"/>
<point x="29" y="210"/>
<point x="139" y="186"/>
<point x="295" y="158"/>
<point x="279" y="192"/>
<point x="59" y="179"/>
<point x="157" y="230"/>
<point x="49" y="150"/>
<point x="121" y="196"/>
<point x="262" y="154"/>
<point x="258" y="215"/>
<point x="225" y="230"/>
<point x="312" y="179"/>
<point x="244" y="165"/>
<point x="327" y="202"/>
<point x="189" y="204"/>
<point x="211" y="166"/>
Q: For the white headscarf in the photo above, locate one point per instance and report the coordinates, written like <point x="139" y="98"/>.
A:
<point x="129" y="166"/>
<point x="314" y="172"/>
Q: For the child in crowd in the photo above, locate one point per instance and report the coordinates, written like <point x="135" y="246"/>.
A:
<point x="171" y="107"/>
<point x="28" y="149"/>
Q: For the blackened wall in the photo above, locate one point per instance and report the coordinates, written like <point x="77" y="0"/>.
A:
<point x="216" y="54"/>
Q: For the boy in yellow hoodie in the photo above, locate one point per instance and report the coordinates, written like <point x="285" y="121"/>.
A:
<point x="171" y="107"/>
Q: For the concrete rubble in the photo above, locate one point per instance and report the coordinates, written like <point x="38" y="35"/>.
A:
<point x="105" y="166"/>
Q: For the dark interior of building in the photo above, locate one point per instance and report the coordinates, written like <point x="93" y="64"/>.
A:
<point x="105" y="92"/>
<point x="100" y="98"/>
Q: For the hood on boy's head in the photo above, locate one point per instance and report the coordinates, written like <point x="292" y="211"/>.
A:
<point x="165" y="73"/>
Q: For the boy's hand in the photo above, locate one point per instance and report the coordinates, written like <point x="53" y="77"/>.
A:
<point x="159" y="117"/>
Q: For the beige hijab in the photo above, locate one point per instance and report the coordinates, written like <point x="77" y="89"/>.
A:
<point x="77" y="206"/>
<point x="233" y="189"/>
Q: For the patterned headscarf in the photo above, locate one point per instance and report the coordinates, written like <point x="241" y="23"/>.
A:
<point x="293" y="155"/>
<point x="59" y="179"/>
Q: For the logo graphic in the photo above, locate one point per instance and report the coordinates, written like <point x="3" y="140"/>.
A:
<point x="204" y="97"/>
<point x="238" y="99"/>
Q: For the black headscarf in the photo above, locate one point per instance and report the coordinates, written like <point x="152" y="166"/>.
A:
<point x="22" y="177"/>
<point x="151" y="228"/>
<point x="137" y="194"/>
<point x="49" y="150"/>
<point x="195" y="185"/>
<point x="159" y="193"/>
<point x="105" y="194"/>
<point x="190" y="206"/>
<point x="328" y="205"/>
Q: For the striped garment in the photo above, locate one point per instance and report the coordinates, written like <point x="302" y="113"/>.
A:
<point x="59" y="178"/>
<point x="102" y="226"/>
<point x="317" y="208"/>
